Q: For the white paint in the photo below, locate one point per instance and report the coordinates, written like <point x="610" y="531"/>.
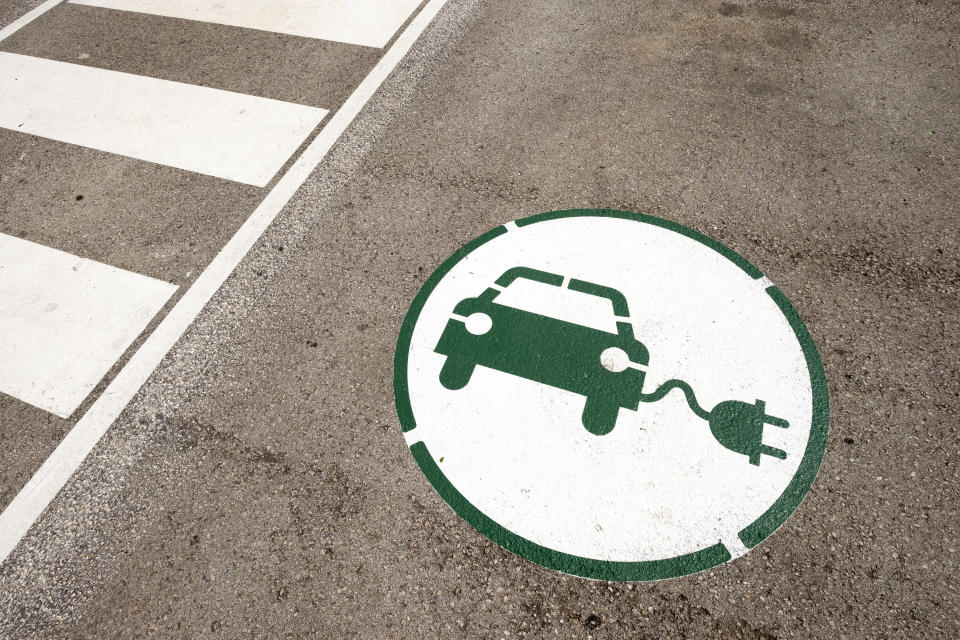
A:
<point x="30" y="502"/>
<point x="614" y="359"/>
<point x="659" y="485"/>
<point x="27" y="18"/>
<point x="219" y="133"/>
<point x="735" y="546"/>
<point x="369" y="23"/>
<point x="478" y="323"/>
<point x="64" y="321"/>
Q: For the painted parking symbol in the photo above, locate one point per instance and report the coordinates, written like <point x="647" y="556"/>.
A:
<point x="611" y="395"/>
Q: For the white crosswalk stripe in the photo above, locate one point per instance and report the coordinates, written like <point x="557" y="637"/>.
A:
<point x="368" y="23"/>
<point x="65" y="320"/>
<point x="210" y="131"/>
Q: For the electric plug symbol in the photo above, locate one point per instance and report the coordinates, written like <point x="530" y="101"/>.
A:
<point x="738" y="426"/>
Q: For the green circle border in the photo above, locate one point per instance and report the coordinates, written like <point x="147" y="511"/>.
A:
<point x="687" y="564"/>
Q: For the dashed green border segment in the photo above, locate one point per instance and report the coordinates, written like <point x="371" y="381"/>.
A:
<point x="401" y="393"/>
<point x="595" y="569"/>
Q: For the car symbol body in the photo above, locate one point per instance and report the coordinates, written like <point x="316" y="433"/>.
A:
<point x="547" y="350"/>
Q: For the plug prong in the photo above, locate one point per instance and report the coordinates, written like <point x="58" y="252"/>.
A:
<point x="773" y="452"/>
<point x="777" y="422"/>
<point x="738" y="426"/>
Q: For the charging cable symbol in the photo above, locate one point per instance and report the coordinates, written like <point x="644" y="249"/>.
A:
<point x="606" y="368"/>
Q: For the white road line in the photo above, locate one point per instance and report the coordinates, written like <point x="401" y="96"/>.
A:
<point x="219" y="133"/>
<point x="27" y="18"/>
<point x="368" y="23"/>
<point x="64" y="321"/>
<point x="27" y="506"/>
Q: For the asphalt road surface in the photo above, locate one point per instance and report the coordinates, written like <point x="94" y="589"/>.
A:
<point x="257" y="485"/>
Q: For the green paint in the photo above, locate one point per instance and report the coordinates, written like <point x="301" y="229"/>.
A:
<point x="687" y="390"/>
<point x="739" y="427"/>
<point x="401" y="394"/>
<point x="527" y="273"/>
<point x="793" y="495"/>
<point x="618" y="300"/>
<point x="736" y="425"/>
<point x="553" y="352"/>
<point x="567" y="356"/>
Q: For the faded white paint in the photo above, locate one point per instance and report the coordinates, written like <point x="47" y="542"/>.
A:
<point x="64" y="321"/>
<point x="369" y="23"/>
<point x="219" y="133"/>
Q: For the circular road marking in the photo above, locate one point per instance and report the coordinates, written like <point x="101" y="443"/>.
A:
<point x="611" y="395"/>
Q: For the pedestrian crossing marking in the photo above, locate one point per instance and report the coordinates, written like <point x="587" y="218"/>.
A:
<point x="65" y="320"/>
<point x="210" y="131"/>
<point x="56" y="470"/>
<point x="369" y="23"/>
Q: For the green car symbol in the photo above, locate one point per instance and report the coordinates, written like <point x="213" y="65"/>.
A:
<point x="546" y="350"/>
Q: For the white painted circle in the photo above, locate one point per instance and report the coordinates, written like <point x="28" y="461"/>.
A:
<point x="659" y="485"/>
<point x="614" y="359"/>
<point x="478" y="323"/>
